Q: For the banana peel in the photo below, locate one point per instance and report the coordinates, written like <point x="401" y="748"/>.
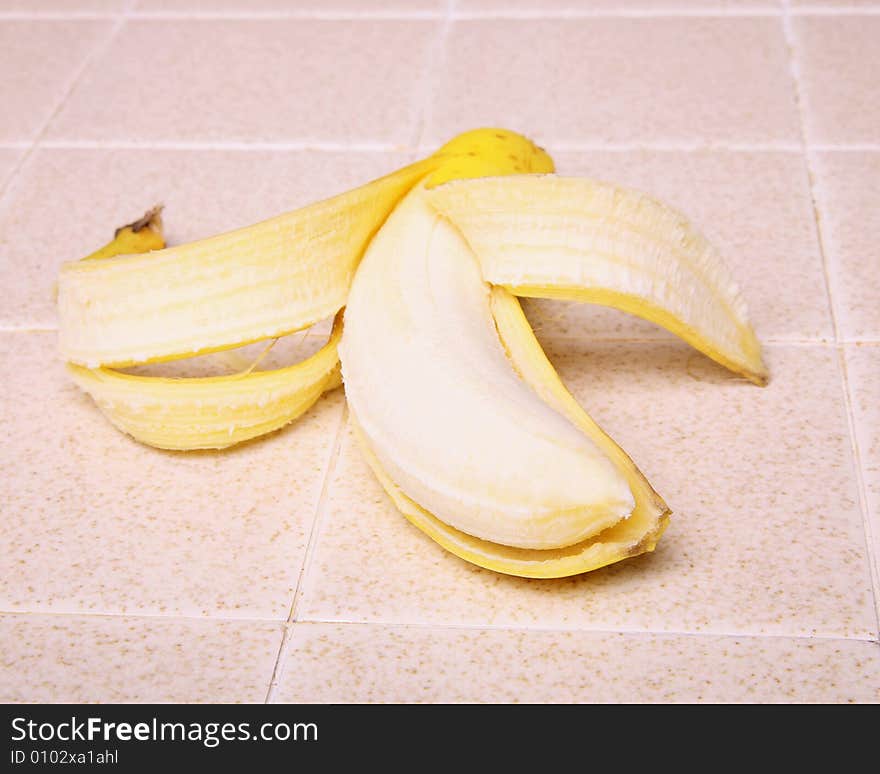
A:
<point x="478" y="443"/>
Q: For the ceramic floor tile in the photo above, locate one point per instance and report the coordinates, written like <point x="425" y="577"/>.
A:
<point x="838" y="57"/>
<point x="622" y="80"/>
<point x="299" y="6"/>
<point x="611" y="6"/>
<point x="61" y="6"/>
<point x="8" y="159"/>
<point x="40" y="60"/>
<point x="291" y="82"/>
<point x="66" y="203"/>
<point x="848" y="187"/>
<point x="95" y="522"/>
<point x="756" y="207"/>
<point x="354" y="663"/>
<point x="78" y="659"/>
<point x="766" y="535"/>
<point x="841" y="5"/>
<point x="863" y="370"/>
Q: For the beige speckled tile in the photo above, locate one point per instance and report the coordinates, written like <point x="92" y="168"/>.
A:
<point x="8" y="159"/>
<point x="755" y="206"/>
<point x="40" y="60"/>
<point x="622" y="80"/>
<point x="838" y="59"/>
<point x="863" y="370"/>
<point x="767" y="535"/>
<point x="66" y="203"/>
<point x="841" y="5"/>
<point x="62" y="6"/>
<point x="848" y="188"/>
<point x="610" y="6"/>
<point x="337" y="663"/>
<point x="292" y="81"/>
<point x="95" y="522"/>
<point x="76" y="659"/>
<point x="299" y="6"/>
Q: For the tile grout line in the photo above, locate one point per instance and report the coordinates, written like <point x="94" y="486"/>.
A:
<point x="290" y="14"/>
<point x="476" y="627"/>
<point x="562" y="630"/>
<point x="6" y="180"/>
<point x="427" y="83"/>
<point x="174" y="618"/>
<point x="800" y="102"/>
<point x="319" y="512"/>
<point x="218" y="15"/>
<point x="861" y="485"/>
<point x="618" y="13"/>
<point x="841" y="10"/>
<point x="816" y="199"/>
<point x="307" y="555"/>
<point x="663" y="13"/>
<point x="277" y="668"/>
<point x="99" y="48"/>
<point x="384" y="147"/>
<point x="231" y="145"/>
<point x="379" y="15"/>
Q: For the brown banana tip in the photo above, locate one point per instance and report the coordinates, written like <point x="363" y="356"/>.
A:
<point x="150" y="218"/>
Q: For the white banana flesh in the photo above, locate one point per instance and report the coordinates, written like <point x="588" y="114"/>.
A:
<point x="572" y="238"/>
<point x="431" y="388"/>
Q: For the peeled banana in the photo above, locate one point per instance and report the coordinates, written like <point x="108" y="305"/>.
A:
<point x="460" y="414"/>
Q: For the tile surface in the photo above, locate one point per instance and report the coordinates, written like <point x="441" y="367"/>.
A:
<point x="45" y="222"/>
<point x="611" y="6"/>
<point x="766" y="534"/>
<point x="62" y="6"/>
<point x="95" y="522"/>
<point x="863" y="370"/>
<point x="347" y="663"/>
<point x="841" y="5"/>
<point x="291" y="81"/>
<point x="299" y="6"/>
<point x="130" y="574"/>
<point x="755" y="207"/>
<point x="78" y="659"/>
<point x="631" y="80"/>
<point x="848" y="187"/>
<point x="8" y="159"/>
<point x="838" y="57"/>
<point x="40" y="61"/>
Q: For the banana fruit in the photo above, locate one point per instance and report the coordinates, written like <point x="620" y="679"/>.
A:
<point x="460" y="415"/>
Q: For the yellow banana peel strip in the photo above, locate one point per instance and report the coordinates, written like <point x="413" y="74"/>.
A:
<point x="259" y="282"/>
<point x="204" y="412"/>
<point x="545" y="236"/>
<point x="632" y="536"/>
<point x="211" y="412"/>
<point x="141" y="236"/>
